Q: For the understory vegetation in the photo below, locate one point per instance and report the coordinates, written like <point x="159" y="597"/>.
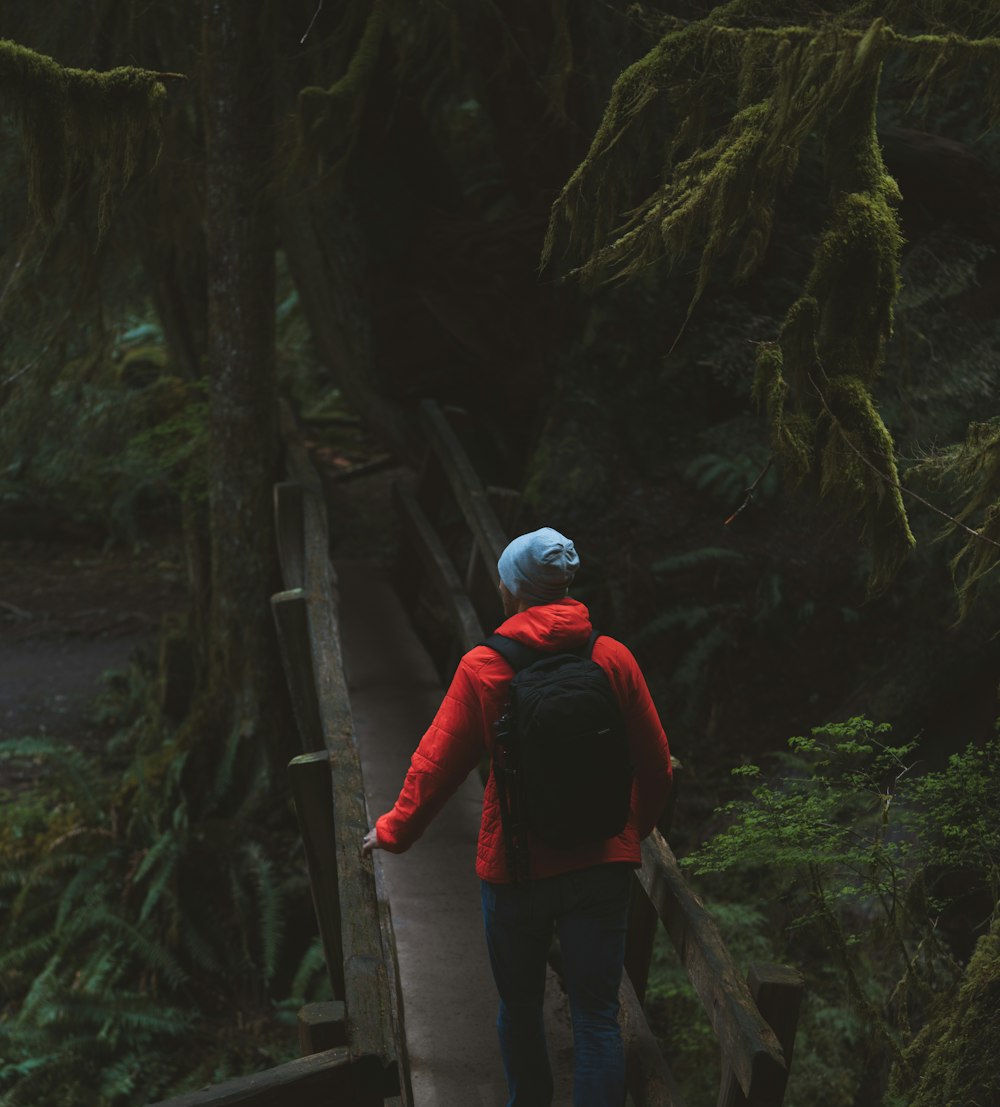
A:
<point x="881" y="880"/>
<point x="123" y="980"/>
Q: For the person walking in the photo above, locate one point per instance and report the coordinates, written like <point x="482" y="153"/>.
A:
<point x="533" y="880"/>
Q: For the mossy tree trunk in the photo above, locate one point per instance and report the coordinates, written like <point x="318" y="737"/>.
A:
<point x="243" y="668"/>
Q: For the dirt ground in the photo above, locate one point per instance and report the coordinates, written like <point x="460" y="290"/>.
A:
<point x="69" y="612"/>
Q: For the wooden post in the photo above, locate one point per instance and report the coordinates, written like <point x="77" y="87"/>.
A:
<point x="313" y="791"/>
<point x="322" y="1026"/>
<point x="439" y="570"/>
<point x="777" y="991"/>
<point x="291" y="620"/>
<point x="650" y="1081"/>
<point x="642" y="922"/>
<point x="465" y="485"/>
<point x="322" y="1079"/>
<point x="405" y="1097"/>
<point x="748" y="1043"/>
<point x="290" y="530"/>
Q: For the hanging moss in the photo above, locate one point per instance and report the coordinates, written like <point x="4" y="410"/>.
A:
<point x="977" y="558"/>
<point x="774" y="87"/>
<point x="972" y="470"/>
<point x="328" y="116"/>
<point x="856" y="278"/>
<point x="859" y="471"/>
<point x="108" y="123"/>
<point x="791" y="432"/>
<point x="798" y="346"/>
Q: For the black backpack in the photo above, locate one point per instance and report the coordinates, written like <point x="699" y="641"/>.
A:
<point x="561" y="759"/>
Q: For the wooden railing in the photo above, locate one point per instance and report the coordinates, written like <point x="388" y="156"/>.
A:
<point x="354" y="1045"/>
<point x="454" y="530"/>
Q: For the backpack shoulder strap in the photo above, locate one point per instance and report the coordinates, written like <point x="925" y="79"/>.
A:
<point x="517" y="655"/>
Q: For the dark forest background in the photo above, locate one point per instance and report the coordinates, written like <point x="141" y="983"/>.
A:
<point x="347" y="206"/>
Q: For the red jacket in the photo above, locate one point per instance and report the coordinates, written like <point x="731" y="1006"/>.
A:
<point x="462" y="731"/>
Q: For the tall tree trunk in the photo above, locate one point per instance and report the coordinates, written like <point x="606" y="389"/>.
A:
<point x="243" y="666"/>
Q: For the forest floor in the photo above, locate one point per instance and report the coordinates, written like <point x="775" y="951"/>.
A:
<point x="74" y="608"/>
<point x="70" y="611"/>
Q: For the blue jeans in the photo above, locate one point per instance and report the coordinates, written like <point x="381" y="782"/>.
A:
<point x="589" y="908"/>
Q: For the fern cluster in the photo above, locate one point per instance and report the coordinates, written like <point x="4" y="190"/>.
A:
<point x="154" y="933"/>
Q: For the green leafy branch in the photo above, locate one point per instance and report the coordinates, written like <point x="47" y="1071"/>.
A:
<point x="860" y="842"/>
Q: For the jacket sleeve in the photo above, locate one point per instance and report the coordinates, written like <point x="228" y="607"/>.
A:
<point x="648" y="745"/>
<point x="447" y="753"/>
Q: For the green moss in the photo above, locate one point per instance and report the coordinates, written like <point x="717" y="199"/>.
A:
<point x="798" y="346"/>
<point x="859" y="471"/>
<point x="716" y="112"/>
<point x="108" y="122"/>
<point x="856" y="278"/>
<point x="329" y="115"/>
<point x="142" y="365"/>
<point x="956" y="1057"/>
<point x="971" y="472"/>
<point x="977" y="558"/>
<point x="791" y="433"/>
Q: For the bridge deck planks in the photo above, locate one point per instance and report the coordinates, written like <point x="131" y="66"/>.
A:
<point x="448" y="993"/>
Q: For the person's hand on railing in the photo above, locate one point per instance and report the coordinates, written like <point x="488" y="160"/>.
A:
<point x="370" y="842"/>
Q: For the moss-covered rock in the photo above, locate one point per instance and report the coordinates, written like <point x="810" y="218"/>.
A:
<point x="955" y="1060"/>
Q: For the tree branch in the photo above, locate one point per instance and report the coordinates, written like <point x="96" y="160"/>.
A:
<point x="748" y="495"/>
<point x="895" y="483"/>
<point x="311" y="23"/>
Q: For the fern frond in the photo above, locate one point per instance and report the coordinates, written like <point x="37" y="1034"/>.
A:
<point x="702" y="557"/>
<point x="118" y="1080"/>
<point x="243" y="909"/>
<point x="146" y="950"/>
<point x="43" y="986"/>
<point x="313" y="964"/>
<point x="225" y="770"/>
<point x="269" y="909"/>
<point x="101" y="971"/>
<point x="131" y="1012"/>
<point x="691" y="673"/>
<point x="165" y="844"/>
<point x="84" y="887"/>
<point x="39" y="896"/>
<point x="22" y="957"/>
<point x="684" y="618"/>
<point x="168" y="851"/>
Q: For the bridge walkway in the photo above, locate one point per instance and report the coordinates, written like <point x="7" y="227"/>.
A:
<point x="449" y="997"/>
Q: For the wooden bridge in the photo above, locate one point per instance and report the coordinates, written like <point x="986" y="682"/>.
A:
<point x="412" y="1019"/>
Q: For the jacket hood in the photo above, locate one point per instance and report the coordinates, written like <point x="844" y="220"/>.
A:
<point x="550" y="626"/>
